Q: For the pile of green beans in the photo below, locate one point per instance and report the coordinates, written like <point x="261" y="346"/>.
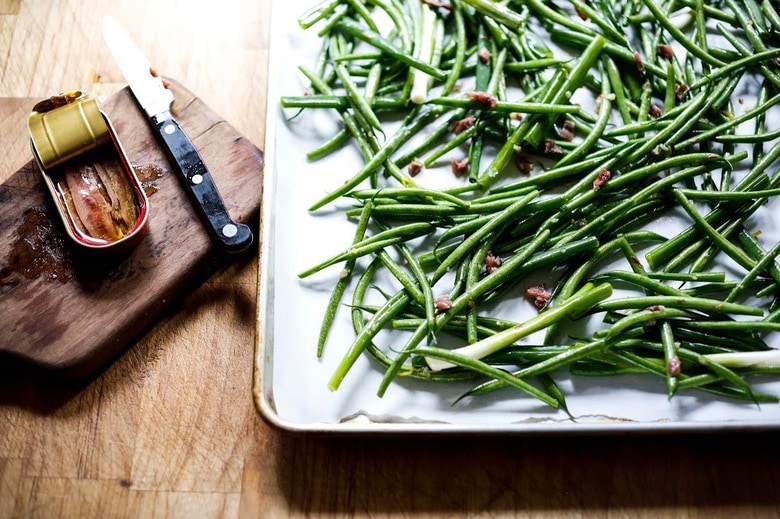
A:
<point x="577" y="126"/>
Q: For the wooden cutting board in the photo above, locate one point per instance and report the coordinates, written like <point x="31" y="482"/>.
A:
<point x="66" y="313"/>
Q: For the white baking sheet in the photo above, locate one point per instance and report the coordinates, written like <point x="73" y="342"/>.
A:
<point x="290" y="385"/>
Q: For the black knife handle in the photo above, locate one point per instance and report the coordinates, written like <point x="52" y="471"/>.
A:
<point x="234" y="236"/>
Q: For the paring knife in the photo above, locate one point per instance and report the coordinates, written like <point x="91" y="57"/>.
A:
<point x="155" y="99"/>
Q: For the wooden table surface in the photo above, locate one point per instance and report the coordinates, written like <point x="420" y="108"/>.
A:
<point x="170" y="429"/>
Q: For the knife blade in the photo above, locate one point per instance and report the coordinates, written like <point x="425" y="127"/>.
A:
<point x="155" y="99"/>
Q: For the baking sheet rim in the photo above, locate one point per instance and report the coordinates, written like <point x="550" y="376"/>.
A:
<point x="363" y="424"/>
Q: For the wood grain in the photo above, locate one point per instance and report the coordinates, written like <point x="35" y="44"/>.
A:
<point x="169" y="429"/>
<point x="69" y="312"/>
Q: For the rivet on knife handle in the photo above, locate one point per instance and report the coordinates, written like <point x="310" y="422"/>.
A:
<point x="155" y="98"/>
<point x="234" y="236"/>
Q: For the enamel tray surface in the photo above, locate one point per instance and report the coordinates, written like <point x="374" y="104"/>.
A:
<point x="291" y="382"/>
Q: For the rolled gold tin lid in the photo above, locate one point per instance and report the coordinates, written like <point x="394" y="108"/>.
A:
<point x="73" y="141"/>
<point x="66" y="125"/>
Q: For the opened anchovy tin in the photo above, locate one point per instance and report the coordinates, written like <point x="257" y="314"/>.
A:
<point x="86" y="170"/>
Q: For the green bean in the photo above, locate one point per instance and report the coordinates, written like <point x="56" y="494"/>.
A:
<point x="390" y="146"/>
<point x="356" y="99"/>
<point x="689" y="276"/>
<point x="662" y="254"/>
<point x="643" y="318"/>
<point x="425" y="287"/>
<point x="576" y="352"/>
<point x="754" y="138"/>
<point x="676" y="161"/>
<point x="717" y="369"/>
<point x="498" y="12"/>
<point x="752" y="326"/>
<point x="460" y="53"/>
<point x="360" y="325"/>
<point x="605" y="110"/>
<point x="616" y="51"/>
<point x="430" y="141"/>
<point x="462" y="229"/>
<point x="771" y="14"/>
<point x="758" y="268"/>
<point x="554" y="175"/>
<point x="363" y="14"/>
<point x="726" y="231"/>
<point x="338" y="13"/>
<point x="752" y="247"/>
<point x="577" y="219"/>
<point x="456" y="141"/>
<point x="730" y="340"/>
<point x="711" y="11"/>
<point x="337" y="102"/>
<point x="454" y="358"/>
<point x="341" y="284"/>
<point x="328" y="147"/>
<point x="455" y="327"/>
<point x="400" y="26"/>
<point x="317" y="13"/>
<point x="607" y="29"/>
<point x="412" y="193"/>
<point x="380" y="43"/>
<point x="572" y="281"/>
<point x="688" y="117"/>
<point x="489" y="227"/>
<point x="606" y="219"/>
<point x="745" y="51"/>
<point x="534" y="64"/>
<point x="678" y="35"/>
<point x="676" y="301"/>
<point x="732" y="123"/>
<point x="710" y="288"/>
<point x="577" y="305"/>
<point x="699" y="381"/>
<point x="717" y="238"/>
<point x="730" y="68"/>
<point x="365" y="335"/>
<point x="473" y="292"/>
<point x="507" y="107"/>
<point x="644" y="281"/>
<point x="411" y="211"/>
<point x="670" y="358"/>
<point x="375" y="243"/>
<point x="575" y="79"/>
<point x="473" y="273"/>
<point x="351" y="122"/>
<point x="728" y="196"/>
<point x="403" y="277"/>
